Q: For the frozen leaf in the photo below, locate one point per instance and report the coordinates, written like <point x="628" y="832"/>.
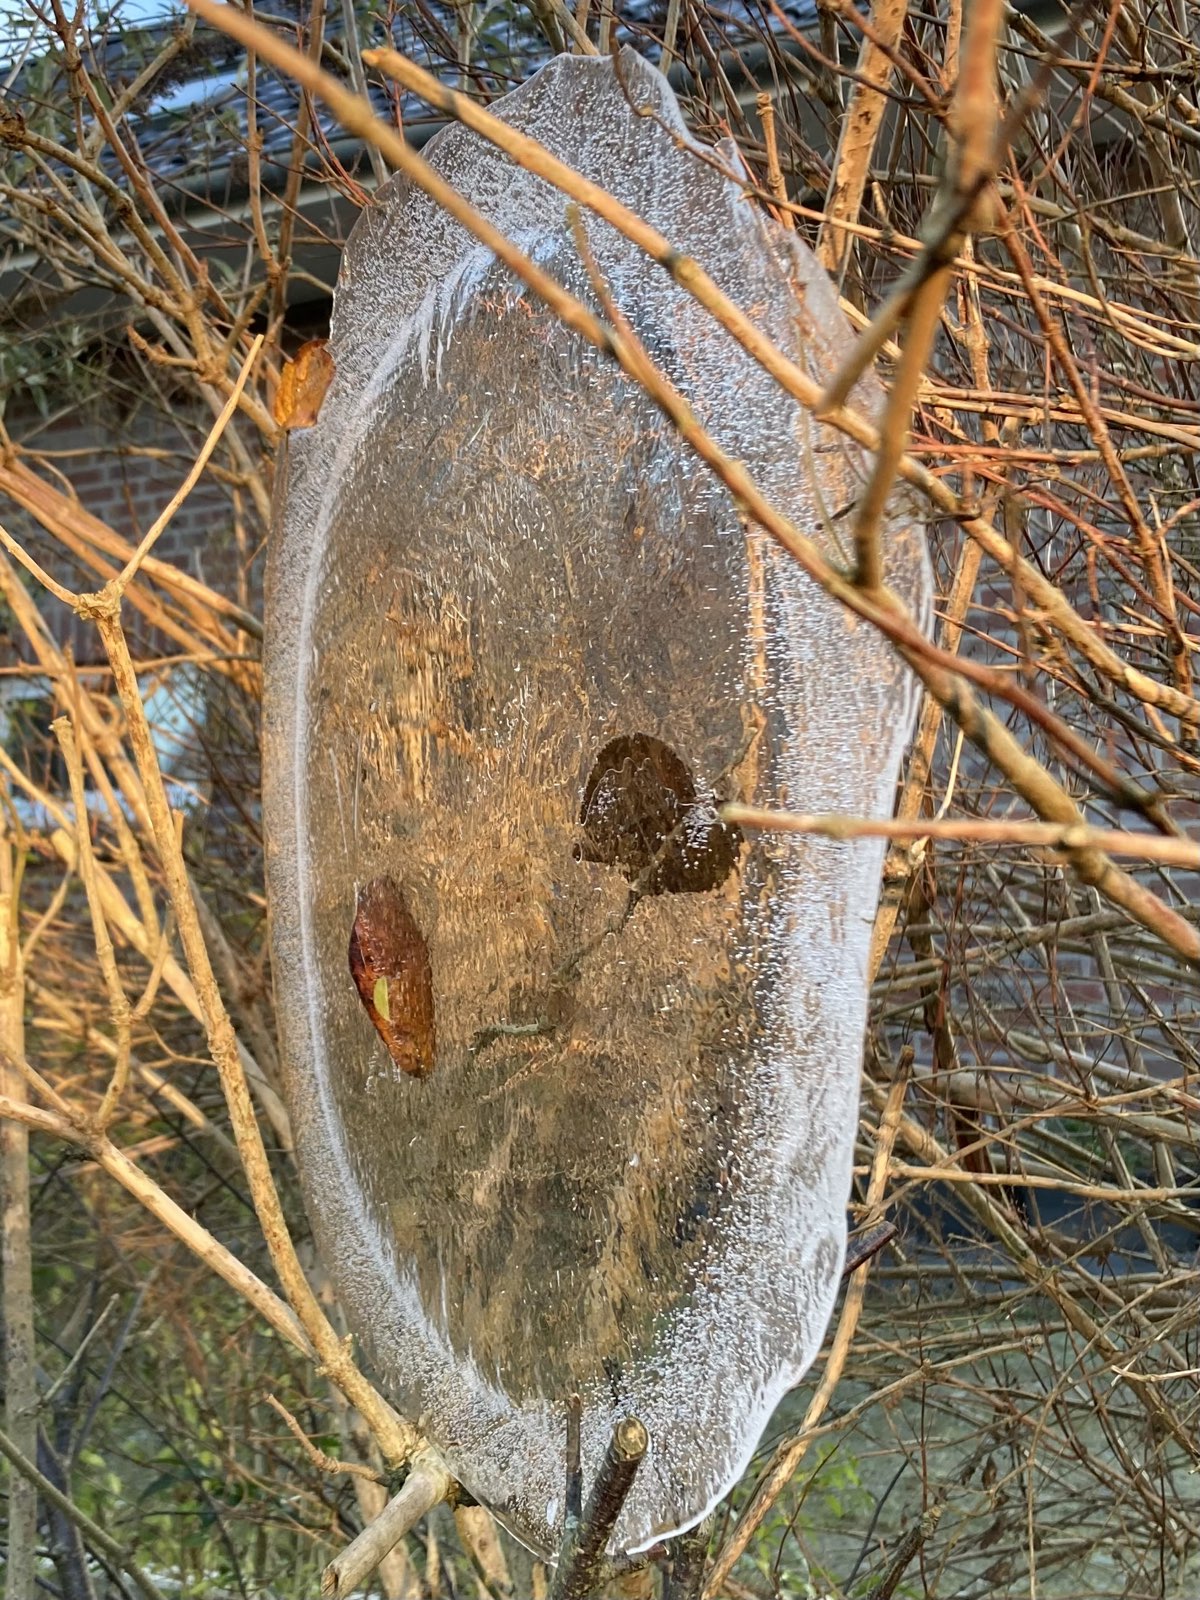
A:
<point x="521" y="648"/>
<point x="641" y="812"/>
<point x="389" y="962"/>
<point x="302" y="385"/>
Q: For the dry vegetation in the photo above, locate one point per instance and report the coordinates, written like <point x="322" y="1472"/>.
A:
<point x="1008" y="1403"/>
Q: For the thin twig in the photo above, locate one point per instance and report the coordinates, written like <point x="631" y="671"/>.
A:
<point x="921" y="1531"/>
<point x="973" y="120"/>
<point x="122" y="581"/>
<point x="971" y="830"/>
<point x="118" y="1001"/>
<point x="318" y="1457"/>
<point x="857" y="133"/>
<point x="775" y="179"/>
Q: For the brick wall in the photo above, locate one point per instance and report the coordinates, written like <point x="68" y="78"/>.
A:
<point x="123" y="443"/>
<point x="123" y="469"/>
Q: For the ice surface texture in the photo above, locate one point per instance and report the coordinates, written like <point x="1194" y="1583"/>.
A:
<point x="520" y="646"/>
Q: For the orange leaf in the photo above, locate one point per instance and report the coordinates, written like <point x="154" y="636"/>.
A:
<point x="303" y="384"/>
<point x="389" y="962"/>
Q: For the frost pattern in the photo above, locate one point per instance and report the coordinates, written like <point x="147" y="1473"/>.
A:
<point x="499" y="585"/>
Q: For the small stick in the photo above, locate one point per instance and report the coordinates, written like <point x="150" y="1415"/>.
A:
<point x="775" y="180"/>
<point x="359" y="76"/>
<point x="121" y="582"/>
<point x="684" y="1577"/>
<point x="861" y="1249"/>
<point x="909" y="1545"/>
<point x="318" y="1457"/>
<point x="556" y="14"/>
<point x="972" y="830"/>
<point x="574" y="1503"/>
<point x="670" y="33"/>
<point x="580" y="1565"/>
<point x="118" y="1001"/>
<point x="80" y="1350"/>
<point x="581" y="15"/>
<point x="426" y="1485"/>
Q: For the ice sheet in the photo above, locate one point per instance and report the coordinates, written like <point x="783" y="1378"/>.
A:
<point x="520" y="646"/>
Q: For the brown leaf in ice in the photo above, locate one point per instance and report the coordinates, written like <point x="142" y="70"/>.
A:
<point x="389" y="962"/>
<point x="302" y="386"/>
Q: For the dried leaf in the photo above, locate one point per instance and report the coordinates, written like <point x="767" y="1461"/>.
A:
<point x="641" y="813"/>
<point x="302" y="386"/>
<point x="12" y="127"/>
<point x="389" y="962"/>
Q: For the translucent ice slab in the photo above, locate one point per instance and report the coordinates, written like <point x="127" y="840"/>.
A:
<point x="573" y="1065"/>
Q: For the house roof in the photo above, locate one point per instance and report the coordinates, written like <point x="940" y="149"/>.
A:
<point x="192" y="123"/>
